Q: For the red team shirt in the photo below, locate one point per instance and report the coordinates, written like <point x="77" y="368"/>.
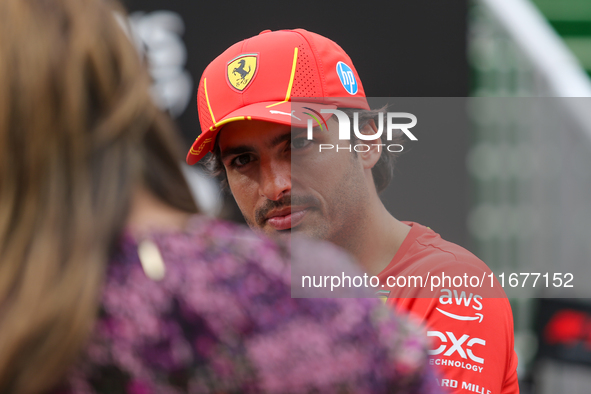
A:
<point x="471" y="329"/>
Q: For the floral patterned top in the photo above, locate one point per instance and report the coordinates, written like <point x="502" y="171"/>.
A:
<point x="222" y="320"/>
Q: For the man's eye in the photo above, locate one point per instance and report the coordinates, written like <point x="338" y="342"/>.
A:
<point x="242" y="160"/>
<point x="300" y="143"/>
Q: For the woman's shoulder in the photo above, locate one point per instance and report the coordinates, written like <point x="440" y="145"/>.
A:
<point x="210" y="259"/>
<point x="223" y="309"/>
<point x="204" y="241"/>
<point x="214" y="238"/>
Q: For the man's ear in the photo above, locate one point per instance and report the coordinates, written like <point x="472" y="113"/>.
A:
<point x="369" y="151"/>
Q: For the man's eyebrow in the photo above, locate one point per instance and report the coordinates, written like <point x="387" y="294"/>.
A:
<point x="285" y="137"/>
<point x="279" y="139"/>
<point x="236" y="150"/>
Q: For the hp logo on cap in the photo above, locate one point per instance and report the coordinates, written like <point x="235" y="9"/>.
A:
<point x="347" y="78"/>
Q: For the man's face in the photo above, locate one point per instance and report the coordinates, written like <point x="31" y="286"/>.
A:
<point x="281" y="182"/>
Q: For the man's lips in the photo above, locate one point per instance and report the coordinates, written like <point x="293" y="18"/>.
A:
<point x="286" y="218"/>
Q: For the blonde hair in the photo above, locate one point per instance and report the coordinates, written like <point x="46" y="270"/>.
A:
<point x="78" y="132"/>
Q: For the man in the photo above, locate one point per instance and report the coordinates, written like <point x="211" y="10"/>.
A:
<point x="255" y="104"/>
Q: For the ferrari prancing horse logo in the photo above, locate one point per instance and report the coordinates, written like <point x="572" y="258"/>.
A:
<point x="241" y="70"/>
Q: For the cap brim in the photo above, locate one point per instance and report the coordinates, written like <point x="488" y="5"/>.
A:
<point x="295" y="114"/>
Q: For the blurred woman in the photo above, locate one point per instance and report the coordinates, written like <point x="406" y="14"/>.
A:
<point x="108" y="281"/>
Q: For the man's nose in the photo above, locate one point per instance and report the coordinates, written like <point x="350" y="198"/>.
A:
<point x="275" y="179"/>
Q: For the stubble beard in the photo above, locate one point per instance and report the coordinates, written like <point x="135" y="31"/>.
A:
<point x="341" y="222"/>
<point x="347" y="220"/>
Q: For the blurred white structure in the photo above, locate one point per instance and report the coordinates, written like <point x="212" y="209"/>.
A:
<point x="530" y="161"/>
<point x="206" y="190"/>
<point x="158" y="38"/>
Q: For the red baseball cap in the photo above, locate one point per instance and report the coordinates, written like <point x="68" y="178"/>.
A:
<point x="278" y="77"/>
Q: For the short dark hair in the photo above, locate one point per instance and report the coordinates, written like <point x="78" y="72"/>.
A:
<point x="382" y="172"/>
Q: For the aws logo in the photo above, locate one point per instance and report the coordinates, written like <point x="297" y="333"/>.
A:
<point x="467" y="300"/>
<point x="242" y="70"/>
